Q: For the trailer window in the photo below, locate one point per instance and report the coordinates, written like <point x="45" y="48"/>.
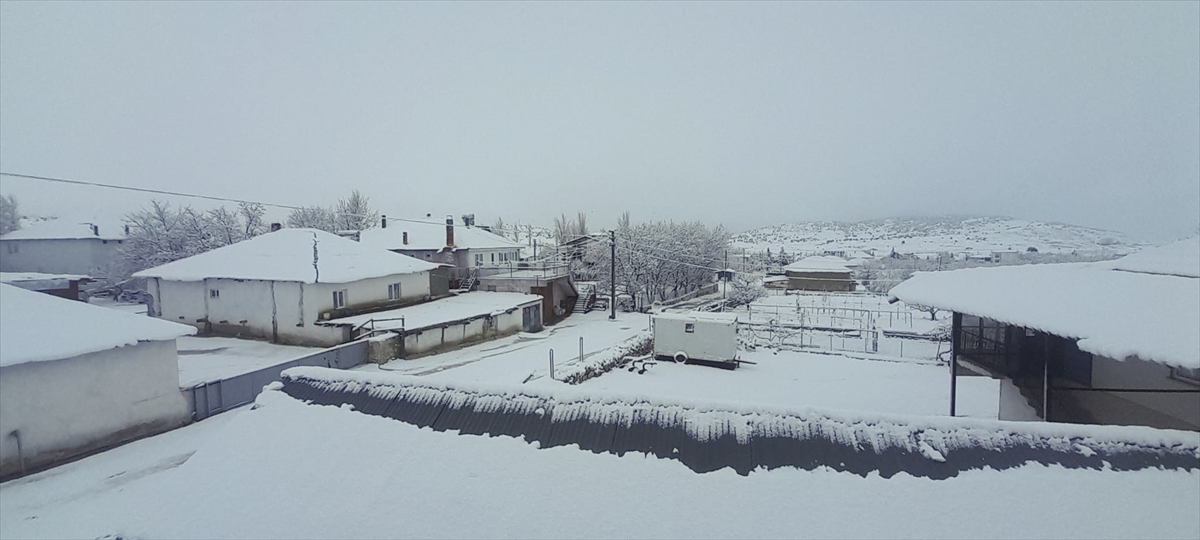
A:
<point x="689" y="328"/>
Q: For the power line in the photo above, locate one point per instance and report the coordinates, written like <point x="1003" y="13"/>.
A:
<point x="144" y="190"/>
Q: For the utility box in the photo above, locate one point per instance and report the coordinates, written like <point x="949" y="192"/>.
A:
<point x="697" y="337"/>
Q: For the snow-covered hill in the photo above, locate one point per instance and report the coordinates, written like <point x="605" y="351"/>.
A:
<point x="934" y="235"/>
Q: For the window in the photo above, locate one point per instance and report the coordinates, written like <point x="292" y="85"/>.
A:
<point x="689" y="328"/>
<point x="478" y="259"/>
<point x="339" y="299"/>
<point x="214" y="293"/>
<point x="493" y="257"/>
<point x="394" y="291"/>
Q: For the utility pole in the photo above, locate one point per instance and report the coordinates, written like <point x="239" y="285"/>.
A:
<point x="725" y="278"/>
<point x="612" y="274"/>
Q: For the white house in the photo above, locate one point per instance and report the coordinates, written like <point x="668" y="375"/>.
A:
<point x="62" y="246"/>
<point x="277" y="285"/>
<point x="76" y="378"/>
<point x="466" y="248"/>
<point x="1113" y="342"/>
<point x="819" y="273"/>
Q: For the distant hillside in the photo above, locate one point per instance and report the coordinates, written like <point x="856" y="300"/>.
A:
<point x="933" y="235"/>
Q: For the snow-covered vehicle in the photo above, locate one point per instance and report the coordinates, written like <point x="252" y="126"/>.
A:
<point x="698" y="337"/>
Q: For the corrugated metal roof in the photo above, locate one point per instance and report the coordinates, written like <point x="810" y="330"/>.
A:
<point x="710" y="440"/>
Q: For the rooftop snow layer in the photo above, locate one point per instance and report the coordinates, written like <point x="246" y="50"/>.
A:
<point x="708" y="437"/>
<point x="69" y="229"/>
<point x="36" y="327"/>
<point x="36" y="281"/>
<point x="1180" y="258"/>
<point x="287" y="255"/>
<point x="432" y="236"/>
<point x="1112" y="313"/>
<point x="822" y="263"/>
<point x="454" y="308"/>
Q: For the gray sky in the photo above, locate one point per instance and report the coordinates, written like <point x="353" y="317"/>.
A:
<point x="745" y="114"/>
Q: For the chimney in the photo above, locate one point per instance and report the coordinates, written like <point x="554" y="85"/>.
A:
<point x="127" y="230"/>
<point x="96" y="230"/>
<point x="383" y="223"/>
<point x="449" y="231"/>
<point x="406" y="238"/>
<point x="276" y="226"/>
<point x="428" y="215"/>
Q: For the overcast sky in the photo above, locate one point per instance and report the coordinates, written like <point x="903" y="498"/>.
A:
<point x="745" y="114"/>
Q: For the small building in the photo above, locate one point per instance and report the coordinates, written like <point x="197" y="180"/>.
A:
<point x="450" y="322"/>
<point x="63" y="246"/>
<point x="60" y="285"/>
<point x="76" y="378"/>
<point x="277" y="285"/>
<point x="697" y="337"/>
<point x="1006" y="257"/>
<point x="552" y="283"/>
<point x="819" y="273"/>
<point x="466" y="249"/>
<point x="1113" y="342"/>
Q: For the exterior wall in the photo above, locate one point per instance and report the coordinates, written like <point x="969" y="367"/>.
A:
<point x="280" y="311"/>
<point x="556" y="292"/>
<point x="64" y="408"/>
<point x="1163" y="410"/>
<point x="87" y="256"/>
<point x="820" y="281"/>
<point x="422" y="341"/>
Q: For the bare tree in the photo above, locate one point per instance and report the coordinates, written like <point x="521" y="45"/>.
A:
<point x="10" y="217"/>
<point x="312" y="217"/>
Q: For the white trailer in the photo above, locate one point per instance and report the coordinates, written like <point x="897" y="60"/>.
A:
<point x="697" y="337"/>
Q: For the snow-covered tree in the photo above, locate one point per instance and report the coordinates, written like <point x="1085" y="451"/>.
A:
<point x="10" y="217"/>
<point x="159" y="234"/>
<point x="312" y="217"/>
<point x="354" y="213"/>
<point x="745" y="289"/>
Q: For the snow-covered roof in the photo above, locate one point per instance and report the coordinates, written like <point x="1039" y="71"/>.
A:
<point x="287" y="255"/>
<point x="36" y="327"/>
<point x="821" y="263"/>
<point x="1180" y="258"/>
<point x="70" y="229"/>
<point x="36" y="281"/>
<point x="454" y="308"/>
<point x="422" y="235"/>
<point x="701" y="316"/>
<point x="1112" y="313"/>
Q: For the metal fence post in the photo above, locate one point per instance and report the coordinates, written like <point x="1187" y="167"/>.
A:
<point x="552" y="365"/>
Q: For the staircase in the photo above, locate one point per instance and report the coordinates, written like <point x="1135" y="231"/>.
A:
<point x="581" y="303"/>
<point x="466" y="284"/>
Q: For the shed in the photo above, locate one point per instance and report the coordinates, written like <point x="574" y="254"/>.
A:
<point x="277" y="285"/>
<point x="697" y="337"/>
<point x="1113" y="342"/>
<point x="75" y="378"/>
<point x="63" y="246"/>
<point x="819" y="273"/>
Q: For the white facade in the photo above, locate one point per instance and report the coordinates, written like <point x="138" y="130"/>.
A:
<point x="281" y="311"/>
<point x="52" y="410"/>
<point x="696" y="336"/>
<point x="87" y="256"/>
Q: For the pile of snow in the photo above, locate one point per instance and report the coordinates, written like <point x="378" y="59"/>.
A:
<point x="36" y="327"/>
<point x="602" y="363"/>
<point x="445" y="310"/>
<point x="304" y="255"/>
<point x="1113" y="313"/>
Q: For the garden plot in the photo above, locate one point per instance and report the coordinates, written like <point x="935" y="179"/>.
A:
<point x="801" y="379"/>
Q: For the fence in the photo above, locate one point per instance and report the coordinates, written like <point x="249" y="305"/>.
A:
<point x="213" y="397"/>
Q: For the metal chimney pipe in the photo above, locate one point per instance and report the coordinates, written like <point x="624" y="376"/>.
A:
<point x="449" y="231"/>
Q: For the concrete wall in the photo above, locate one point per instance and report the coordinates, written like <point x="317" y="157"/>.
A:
<point x="422" y="341"/>
<point x="820" y="281"/>
<point x="63" y="408"/>
<point x="87" y="256"/>
<point x="281" y="311"/>
<point x="1163" y="410"/>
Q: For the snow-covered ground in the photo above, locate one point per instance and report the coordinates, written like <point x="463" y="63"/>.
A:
<point x="204" y="359"/>
<point x="516" y="358"/>
<point x="289" y="470"/>
<point x="932" y="235"/>
<point x="799" y="380"/>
